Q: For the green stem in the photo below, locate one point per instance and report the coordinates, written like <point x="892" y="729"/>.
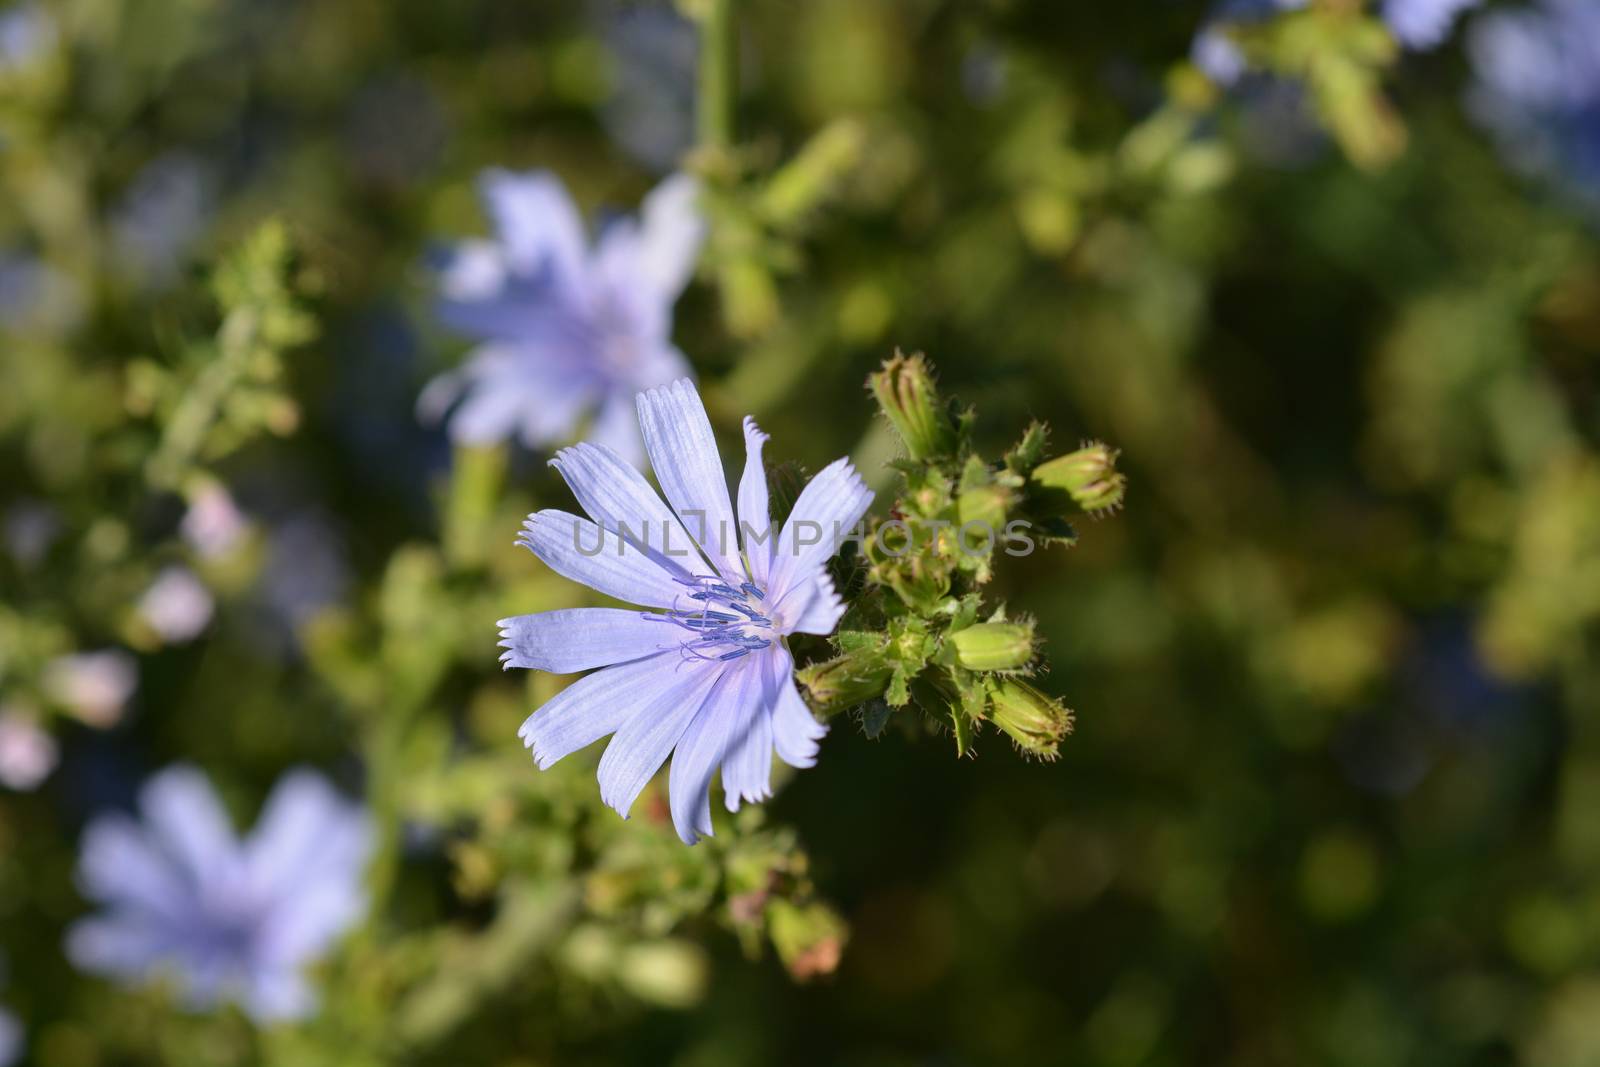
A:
<point x="719" y="74"/>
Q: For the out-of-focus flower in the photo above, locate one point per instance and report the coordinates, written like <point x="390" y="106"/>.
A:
<point x="227" y="920"/>
<point x="1214" y="52"/>
<point x="213" y="524"/>
<point x="162" y="213"/>
<point x="10" y="1039"/>
<point x="1417" y="24"/>
<point x="29" y="528"/>
<point x="569" y="332"/>
<point x="94" y="686"/>
<point x="27" y="753"/>
<point x="707" y="678"/>
<point x="35" y="297"/>
<point x="27" y="31"/>
<point x="1538" y="89"/>
<point x="984" y="74"/>
<point x="305" y="570"/>
<point x="177" y="605"/>
<point x="650" y="111"/>
<point x="1423" y="24"/>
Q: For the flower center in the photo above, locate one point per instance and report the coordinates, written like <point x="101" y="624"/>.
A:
<point x="726" y="623"/>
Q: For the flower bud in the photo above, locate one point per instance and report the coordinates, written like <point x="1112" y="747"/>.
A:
<point x="992" y="646"/>
<point x="905" y="391"/>
<point x="1036" y="722"/>
<point x="1088" y="475"/>
<point x="847" y="680"/>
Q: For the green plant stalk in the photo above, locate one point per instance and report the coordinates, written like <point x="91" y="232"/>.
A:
<point x="719" y="75"/>
<point x="197" y="409"/>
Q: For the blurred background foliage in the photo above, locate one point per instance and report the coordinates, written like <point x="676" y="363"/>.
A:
<point x="1331" y="796"/>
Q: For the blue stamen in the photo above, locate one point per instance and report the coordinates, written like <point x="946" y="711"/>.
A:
<point x="719" y="619"/>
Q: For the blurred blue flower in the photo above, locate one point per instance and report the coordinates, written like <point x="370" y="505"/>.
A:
<point x="162" y="213"/>
<point x="708" y="678"/>
<point x="569" y="332"/>
<point x="650" y="111"/>
<point x="27" y="529"/>
<point x="228" y="920"/>
<point x="213" y="525"/>
<point x="36" y="298"/>
<point x="177" y="605"/>
<point x="1417" y="24"/>
<point x="27" y="753"/>
<point x="1423" y="24"/>
<point x="1537" y="89"/>
<point x="1214" y="52"/>
<point x="306" y="572"/>
<point x="27" y="31"/>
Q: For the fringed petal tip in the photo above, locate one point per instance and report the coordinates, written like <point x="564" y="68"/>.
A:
<point x="542" y="759"/>
<point x="507" y="642"/>
<point x="672" y="392"/>
<point x="529" y="526"/>
<point x="733" y="799"/>
<point x="753" y="434"/>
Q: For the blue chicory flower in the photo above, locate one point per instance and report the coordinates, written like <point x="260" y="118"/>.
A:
<point x="1537" y="89"/>
<point x="707" y="676"/>
<point x="228" y="920"/>
<point x="569" y="333"/>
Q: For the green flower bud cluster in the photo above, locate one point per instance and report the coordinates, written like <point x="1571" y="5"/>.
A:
<point x="919" y="633"/>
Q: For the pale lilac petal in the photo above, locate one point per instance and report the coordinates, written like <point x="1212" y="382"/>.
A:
<point x="117" y="945"/>
<point x="618" y="499"/>
<point x="827" y="510"/>
<point x="747" y="768"/>
<point x="118" y="864"/>
<point x="441" y="393"/>
<point x="706" y="742"/>
<point x="473" y="271"/>
<point x="487" y="416"/>
<point x="537" y="224"/>
<point x="1423" y="24"/>
<point x="577" y="639"/>
<point x="644" y="741"/>
<point x="795" y="731"/>
<point x="305" y="926"/>
<point x="616" y="427"/>
<point x="185" y="816"/>
<point x="683" y="453"/>
<point x="671" y="232"/>
<point x="506" y="391"/>
<point x="821" y="609"/>
<point x="658" y="363"/>
<point x="756" y="535"/>
<point x="279" y="995"/>
<point x="578" y="549"/>
<point x="747" y="771"/>
<point x="596" y="705"/>
<point x="307" y="831"/>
